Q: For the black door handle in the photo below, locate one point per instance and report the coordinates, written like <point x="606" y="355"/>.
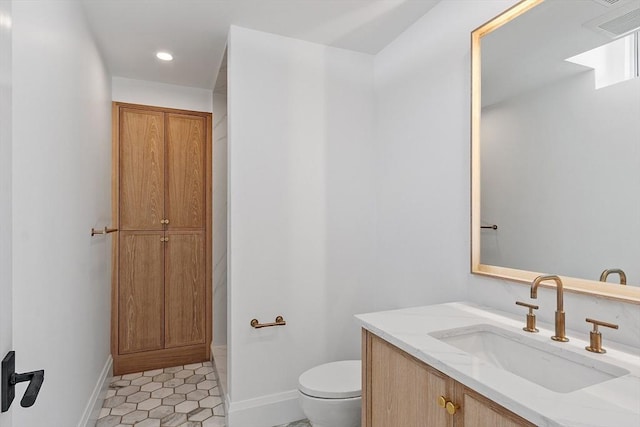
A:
<point x="10" y="379"/>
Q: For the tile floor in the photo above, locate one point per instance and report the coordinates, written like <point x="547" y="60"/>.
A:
<point x="180" y="396"/>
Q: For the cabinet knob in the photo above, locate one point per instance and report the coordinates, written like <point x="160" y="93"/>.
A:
<point x="164" y="221"/>
<point x="451" y="408"/>
<point x="442" y="401"/>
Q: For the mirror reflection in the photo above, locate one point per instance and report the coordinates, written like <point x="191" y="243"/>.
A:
<point x="560" y="141"/>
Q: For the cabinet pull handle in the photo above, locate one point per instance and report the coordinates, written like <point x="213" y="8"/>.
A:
<point x="451" y="408"/>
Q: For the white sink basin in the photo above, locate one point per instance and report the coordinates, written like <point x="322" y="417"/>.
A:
<point x="546" y="364"/>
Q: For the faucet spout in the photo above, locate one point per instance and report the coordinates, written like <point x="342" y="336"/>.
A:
<point x="560" y="316"/>
<point x="606" y="273"/>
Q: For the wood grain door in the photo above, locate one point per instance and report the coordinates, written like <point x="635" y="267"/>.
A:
<point x="184" y="289"/>
<point x="402" y="391"/>
<point x="141" y="158"/>
<point x="186" y="171"/>
<point x="141" y="291"/>
<point x="478" y="411"/>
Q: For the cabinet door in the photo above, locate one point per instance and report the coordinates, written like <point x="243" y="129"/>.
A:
<point x="185" y="202"/>
<point x="141" y="291"/>
<point x="402" y="391"/>
<point x="184" y="289"/>
<point x="478" y="411"/>
<point x="141" y="163"/>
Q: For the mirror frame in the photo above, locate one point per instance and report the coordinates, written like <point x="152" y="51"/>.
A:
<point x="630" y="294"/>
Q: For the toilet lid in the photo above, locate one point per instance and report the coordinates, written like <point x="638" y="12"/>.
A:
<point x="335" y="380"/>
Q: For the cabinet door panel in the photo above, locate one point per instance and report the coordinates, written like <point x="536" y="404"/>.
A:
<point x="184" y="289"/>
<point x="186" y="136"/>
<point x="403" y="391"/>
<point x="478" y="411"/>
<point x="141" y="169"/>
<point x="141" y="291"/>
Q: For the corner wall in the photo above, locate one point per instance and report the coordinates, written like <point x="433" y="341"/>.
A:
<point x="61" y="189"/>
<point x="6" y="300"/>
<point x="301" y="215"/>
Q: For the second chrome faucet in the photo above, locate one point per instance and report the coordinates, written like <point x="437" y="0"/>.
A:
<point x="560" y="334"/>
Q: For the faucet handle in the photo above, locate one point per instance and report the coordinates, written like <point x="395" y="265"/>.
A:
<point x="595" y="337"/>
<point x="531" y="318"/>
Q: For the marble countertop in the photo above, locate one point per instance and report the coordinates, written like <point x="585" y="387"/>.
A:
<point x="615" y="402"/>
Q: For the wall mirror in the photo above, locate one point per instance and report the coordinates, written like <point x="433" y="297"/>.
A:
<point x="556" y="145"/>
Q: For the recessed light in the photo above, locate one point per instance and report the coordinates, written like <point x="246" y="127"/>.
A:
<point x="165" y="56"/>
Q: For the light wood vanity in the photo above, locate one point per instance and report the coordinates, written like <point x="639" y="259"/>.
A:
<point x="400" y="390"/>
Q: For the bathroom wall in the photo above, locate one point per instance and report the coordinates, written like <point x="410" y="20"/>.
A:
<point x="6" y="297"/>
<point x="161" y="94"/>
<point x="434" y="83"/>
<point x="61" y="189"/>
<point x="301" y="215"/>
<point x="565" y="194"/>
<point x="220" y="227"/>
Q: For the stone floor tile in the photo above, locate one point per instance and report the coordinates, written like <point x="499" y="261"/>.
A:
<point x="193" y="366"/>
<point x="127" y="391"/>
<point x="123" y="409"/>
<point x="141" y="381"/>
<point x="135" y="416"/>
<point x="185" y="373"/>
<point x="207" y="364"/>
<point x="211" y="376"/>
<point x="197" y="395"/>
<point x="114" y="401"/>
<point x="149" y="422"/>
<point x="206" y="385"/>
<point x="186" y="406"/>
<point x="149" y="404"/>
<point x="104" y="412"/>
<point x="204" y="370"/>
<point x="153" y="372"/>
<point x="210" y="402"/>
<point x="174" y="382"/>
<point x="173" y="369"/>
<point x="173" y="420"/>
<point x="219" y="410"/>
<point x="185" y="388"/>
<point x="162" y="377"/>
<point x="138" y="397"/>
<point x="109" y="421"/>
<point x="152" y="386"/>
<point x="194" y="379"/>
<point x="214" y="422"/>
<point x="161" y="412"/>
<point x="215" y="392"/>
<point x="132" y="376"/>
<point x="191" y="424"/>
<point x="119" y="383"/>
<point x="162" y="392"/>
<point x="200" y="414"/>
<point x="174" y="399"/>
<point x="110" y="393"/>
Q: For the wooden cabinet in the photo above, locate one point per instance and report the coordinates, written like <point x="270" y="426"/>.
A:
<point x="161" y="302"/>
<point x="399" y="390"/>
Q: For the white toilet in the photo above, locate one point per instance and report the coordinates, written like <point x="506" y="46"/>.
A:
<point x="330" y="394"/>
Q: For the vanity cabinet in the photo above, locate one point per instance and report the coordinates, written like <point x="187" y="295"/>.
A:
<point x="400" y="390"/>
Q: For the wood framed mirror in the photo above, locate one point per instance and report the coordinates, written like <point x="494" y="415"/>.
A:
<point x="555" y="152"/>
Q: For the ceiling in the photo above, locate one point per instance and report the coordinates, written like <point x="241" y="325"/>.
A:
<point x="530" y="51"/>
<point x="129" y="32"/>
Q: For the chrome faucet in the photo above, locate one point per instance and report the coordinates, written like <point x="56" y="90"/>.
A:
<point x="560" y="322"/>
<point x="606" y="273"/>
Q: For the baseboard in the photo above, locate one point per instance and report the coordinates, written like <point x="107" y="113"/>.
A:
<point x="265" y="411"/>
<point x="94" y="405"/>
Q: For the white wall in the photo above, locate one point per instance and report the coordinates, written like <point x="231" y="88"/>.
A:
<point x="301" y="215"/>
<point x="220" y="300"/>
<point x="438" y="99"/>
<point x="5" y="188"/>
<point x="161" y="94"/>
<point x="61" y="188"/>
<point x="565" y="194"/>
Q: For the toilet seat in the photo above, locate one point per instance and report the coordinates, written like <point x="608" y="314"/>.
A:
<point x="335" y="380"/>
